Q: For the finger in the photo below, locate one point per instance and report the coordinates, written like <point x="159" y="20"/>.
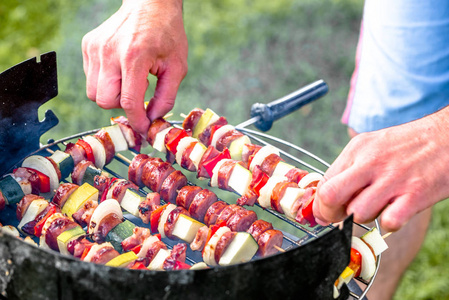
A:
<point x="108" y="86"/>
<point x="399" y="212"/>
<point x="317" y="214"/>
<point x="369" y="202"/>
<point x="92" y="78"/>
<point x="134" y="86"/>
<point x="165" y="94"/>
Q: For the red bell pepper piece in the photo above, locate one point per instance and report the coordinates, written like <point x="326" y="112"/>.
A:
<point x="136" y="249"/>
<point x="155" y="216"/>
<point x="105" y="192"/>
<point x="259" y="179"/>
<point x="213" y="128"/>
<point x="307" y="212"/>
<point x="40" y="225"/>
<point x="212" y="230"/>
<point x="355" y="263"/>
<point x="173" y="143"/>
<point x="179" y="265"/>
<point x="158" y="235"/>
<point x="44" y="181"/>
<point x="210" y="164"/>
<point x="86" y="251"/>
<point x="88" y="149"/>
<point x="138" y="265"/>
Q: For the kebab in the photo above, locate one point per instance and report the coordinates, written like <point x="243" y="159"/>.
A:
<point x="232" y="174"/>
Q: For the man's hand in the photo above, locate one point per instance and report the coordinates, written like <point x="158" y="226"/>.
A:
<point x="395" y="173"/>
<point x="143" y="36"/>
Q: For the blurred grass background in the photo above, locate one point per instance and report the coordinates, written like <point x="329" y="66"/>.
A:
<point x="240" y="52"/>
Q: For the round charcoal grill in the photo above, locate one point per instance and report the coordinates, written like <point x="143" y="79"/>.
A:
<point x="307" y="267"/>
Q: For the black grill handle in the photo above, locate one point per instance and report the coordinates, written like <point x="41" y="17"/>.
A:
<point x="268" y="113"/>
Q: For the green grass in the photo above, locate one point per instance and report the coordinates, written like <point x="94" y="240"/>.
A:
<point x="240" y="52"/>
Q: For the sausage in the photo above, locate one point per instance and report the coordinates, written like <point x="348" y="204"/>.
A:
<point x="224" y="173"/>
<point x="223" y="244"/>
<point x="278" y="193"/>
<point x="79" y="170"/>
<point x="154" y="174"/>
<point x="259" y="227"/>
<point x="248" y="150"/>
<point x="106" y="224"/>
<point x="295" y="174"/>
<point x="226" y="139"/>
<point x="269" y="163"/>
<point x="76" y="152"/>
<point x="200" y="239"/>
<point x="119" y="189"/>
<point x="104" y="255"/>
<point x="58" y="226"/>
<point x="201" y="203"/>
<point x="210" y="153"/>
<point x="153" y="250"/>
<point x="213" y="212"/>
<point x="24" y="203"/>
<point x="171" y="185"/>
<point x="241" y="220"/>
<point x="186" y="162"/>
<point x="205" y="136"/>
<point x="192" y="119"/>
<point x="186" y="194"/>
<point x="178" y="253"/>
<point x="171" y="220"/>
<point x="156" y="126"/>
<point x="55" y="166"/>
<point x="136" y="167"/>
<point x="249" y="198"/>
<point x="267" y="242"/>
<point x="104" y="137"/>
<point x="227" y="212"/>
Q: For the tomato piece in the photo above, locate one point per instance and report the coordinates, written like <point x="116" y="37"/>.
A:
<point x="44" y="181"/>
<point x="155" y="216"/>
<point x="173" y="143"/>
<point x="88" y="149"/>
<point x="355" y="263"/>
<point x="40" y="225"/>
<point x="139" y="266"/>
<point x="210" y="164"/>
<point x="179" y="265"/>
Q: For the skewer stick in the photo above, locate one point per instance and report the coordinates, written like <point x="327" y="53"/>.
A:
<point x="386" y="235"/>
<point x="124" y="158"/>
<point x="279" y="249"/>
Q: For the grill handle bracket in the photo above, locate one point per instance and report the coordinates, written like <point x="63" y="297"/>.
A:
<point x="263" y="115"/>
<point x="23" y="89"/>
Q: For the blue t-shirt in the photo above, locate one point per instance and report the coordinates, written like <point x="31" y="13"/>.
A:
<point x="402" y="63"/>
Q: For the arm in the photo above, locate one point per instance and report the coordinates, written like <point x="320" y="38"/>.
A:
<point x="395" y="173"/>
<point x="143" y="36"/>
